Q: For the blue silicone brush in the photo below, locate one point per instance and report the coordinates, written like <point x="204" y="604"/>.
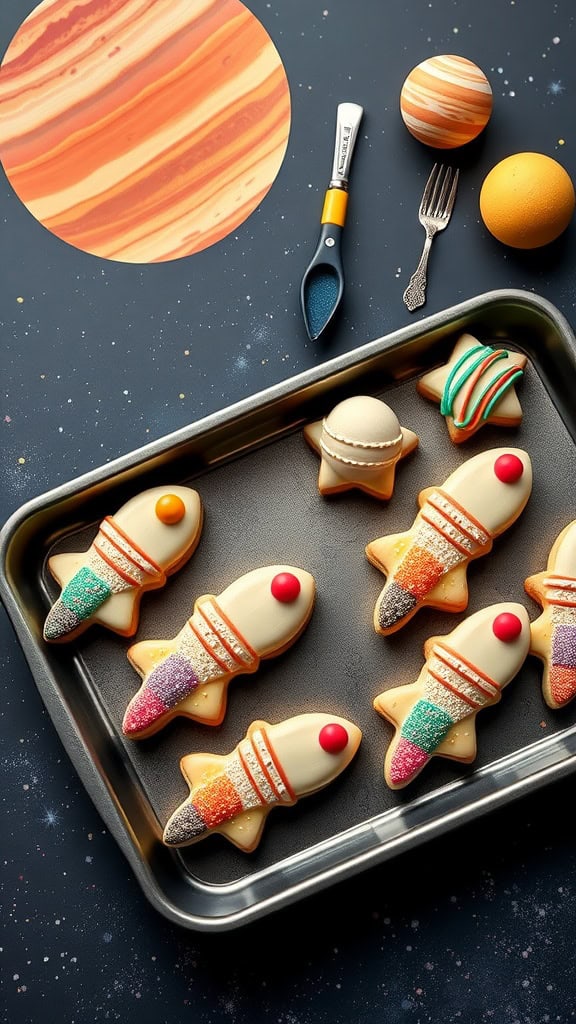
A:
<point x="323" y="282"/>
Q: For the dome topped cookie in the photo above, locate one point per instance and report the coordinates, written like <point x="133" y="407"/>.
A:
<point x="360" y="442"/>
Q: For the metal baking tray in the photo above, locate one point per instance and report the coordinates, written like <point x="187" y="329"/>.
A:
<point x="258" y="480"/>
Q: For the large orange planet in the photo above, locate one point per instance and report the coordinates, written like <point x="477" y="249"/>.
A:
<point x="142" y="130"/>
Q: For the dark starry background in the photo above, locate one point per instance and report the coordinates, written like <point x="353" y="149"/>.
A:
<point x="98" y="358"/>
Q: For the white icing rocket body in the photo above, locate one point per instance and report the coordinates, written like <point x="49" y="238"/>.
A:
<point x="273" y="765"/>
<point x="465" y="671"/>
<point x="147" y="540"/>
<point x="457" y="523"/>
<point x="258" y="616"/>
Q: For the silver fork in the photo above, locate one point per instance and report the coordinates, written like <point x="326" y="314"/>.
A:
<point x="434" y="213"/>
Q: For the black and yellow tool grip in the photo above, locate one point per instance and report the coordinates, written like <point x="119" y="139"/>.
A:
<point x="335" y="205"/>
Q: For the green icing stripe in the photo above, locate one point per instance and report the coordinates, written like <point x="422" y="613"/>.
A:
<point x="426" y="726"/>
<point x="496" y="398"/>
<point x="500" y="392"/>
<point x="449" y="393"/>
<point x="452" y="385"/>
<point x="85" y="593"/>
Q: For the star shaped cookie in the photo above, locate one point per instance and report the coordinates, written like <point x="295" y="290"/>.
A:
<point x="359" y="443"/>
<point x="475" y="387"/>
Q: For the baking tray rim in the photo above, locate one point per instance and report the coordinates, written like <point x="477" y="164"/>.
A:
<point x="297" y="382"/>
<point x="556" y="755"/>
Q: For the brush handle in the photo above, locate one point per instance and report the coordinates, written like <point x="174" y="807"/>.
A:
<point x="348" y="117"/>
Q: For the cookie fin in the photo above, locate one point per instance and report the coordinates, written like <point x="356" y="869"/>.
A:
<point x="197" y="766"/>
<point x="245" y="830"/>
<point x="64" y="567"/>
<point x="146" y="654"/>
<point x="312" y="433"/>
<point x="385" y="552"/>
<point x="396" y="704"/>
<point x="208" y="703"/>
<point x="460" y="742"/>
<point x="534" y="586"/>
<point x="410" y="441"/>
<point x="540" y="633"/>
<point x="451" y="590"/>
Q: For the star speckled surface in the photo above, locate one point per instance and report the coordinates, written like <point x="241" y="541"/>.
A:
<point x="98" y="359"/>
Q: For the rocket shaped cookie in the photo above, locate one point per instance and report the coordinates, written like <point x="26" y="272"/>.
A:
<point x="273" y="766"/>
<point x="258" y="616"/>
<point x="148" y="539"/>
<point x="457" y="523"/>
<point x="553" y="634"/>
<point x="465" y="671"/>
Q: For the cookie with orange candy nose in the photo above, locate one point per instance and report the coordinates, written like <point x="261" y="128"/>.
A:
<point x="149" y="538"/>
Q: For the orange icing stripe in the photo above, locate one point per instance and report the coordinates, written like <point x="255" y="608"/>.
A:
<point x="439" y="648"/>
<point x="124" y="575"/>
<point x="208" y="649"/>
<point x="233" y="629"/>
<point x="233" y="654"/>
<point x="453" y="689"/>
<point x="490" y="394"/>
<point x="475" y="377"/>
<point x="277" y="764"/>
<point x="437" y="526"/>
<point x="126" y="554"/>
<point x="460" y="508"/>
<point x="265" y="772"/>
<point x="251" y="778"/>
<point x="114" y="524"/>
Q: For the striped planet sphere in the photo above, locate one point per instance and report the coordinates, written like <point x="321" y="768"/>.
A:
<point x="142" y="130"/>
<point x="446" y="101"/>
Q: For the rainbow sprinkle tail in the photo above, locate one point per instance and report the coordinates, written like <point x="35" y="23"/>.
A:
<point x="422" y="733"/>
<point x="415" y="577"/>
<point x="395" y="604"/>
<point x="563" y="664"/>
<point x="81" y="597"/>
<point x="167" y="685"/>
<point x="185" y="824"/>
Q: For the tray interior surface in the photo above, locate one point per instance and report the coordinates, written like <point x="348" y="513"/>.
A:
<point x="262" y="506"/>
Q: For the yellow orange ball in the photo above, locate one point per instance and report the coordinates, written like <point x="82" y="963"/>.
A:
<point x="446" y="101"/>
<point x="527" y="200"/>
<point x="170" y="509"/>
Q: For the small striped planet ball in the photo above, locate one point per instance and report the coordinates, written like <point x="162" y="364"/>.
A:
<point x="446" y="101"/>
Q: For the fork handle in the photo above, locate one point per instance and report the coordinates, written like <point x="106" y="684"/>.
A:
<point x="415" y="294"/>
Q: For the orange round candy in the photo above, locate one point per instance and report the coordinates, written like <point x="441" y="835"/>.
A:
<point x="446" y="101"/>
<point x="170" y="509"/>
<point x="527" y="200"/>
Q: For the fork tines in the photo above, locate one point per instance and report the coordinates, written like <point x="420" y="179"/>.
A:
<point x="440" y="191"/>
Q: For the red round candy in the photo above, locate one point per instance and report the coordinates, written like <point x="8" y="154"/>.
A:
<point x="508" y="468"/>
<point x="285" y="587"/>
<point x="507" y="627"/>
<point x="333" y="738"/>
